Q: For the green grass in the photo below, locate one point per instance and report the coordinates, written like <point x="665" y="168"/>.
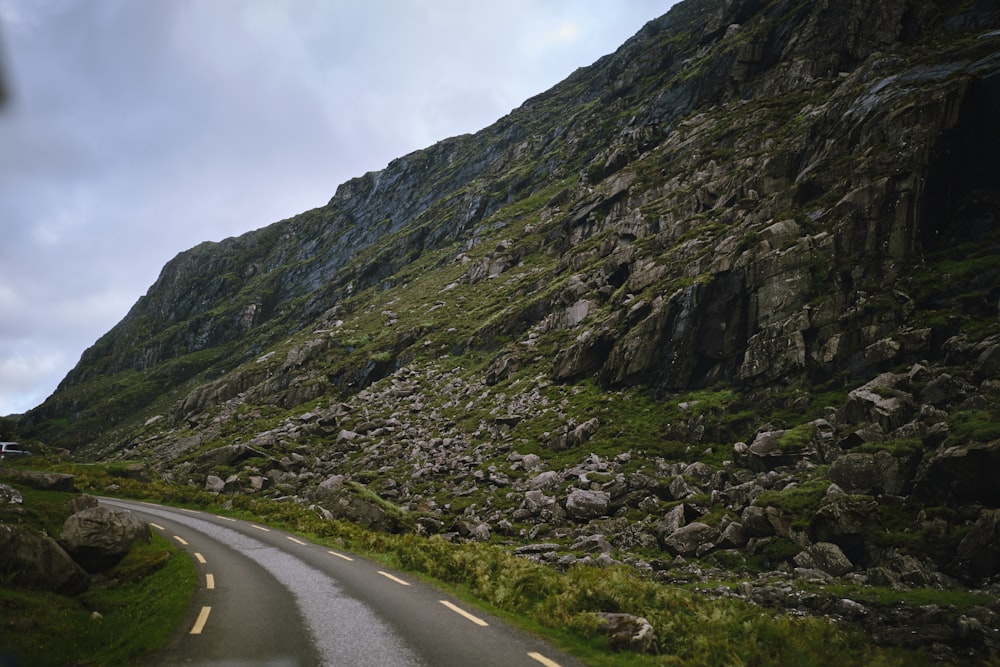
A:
<point x="974" y="426"/>
<point x="797" y="438"/>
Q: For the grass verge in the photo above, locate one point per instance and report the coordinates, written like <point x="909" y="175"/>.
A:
<point x="128" y="612"/>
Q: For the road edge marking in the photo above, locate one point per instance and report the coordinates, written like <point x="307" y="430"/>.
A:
<point x="266" y="530"/>
<point x="538" y="657"/>
<point x="181" y="540"/>
<point x="464" y="614"/>
<point x="210" y="581"/>
<point x="199" y="624"/>
<point x="392" y="578"/>
<point x="334" y="553"/>
<point x="296" y="540"/>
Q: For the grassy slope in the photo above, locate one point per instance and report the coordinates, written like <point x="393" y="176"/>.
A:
<point x="140" y="602"/>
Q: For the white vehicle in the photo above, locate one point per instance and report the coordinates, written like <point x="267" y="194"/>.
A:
<point x="11" y="449"/>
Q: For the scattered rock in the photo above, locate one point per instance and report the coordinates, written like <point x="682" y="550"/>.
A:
<point x="625" y="631"/>
<point x="10" y="496"/>
<point x="585" y="504"/>
<point x="695" y="538"/>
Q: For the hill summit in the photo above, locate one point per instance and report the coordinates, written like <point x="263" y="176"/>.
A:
<point x="727" y="298"/>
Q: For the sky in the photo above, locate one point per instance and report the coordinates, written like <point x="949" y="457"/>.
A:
<point x="133" y="130"/>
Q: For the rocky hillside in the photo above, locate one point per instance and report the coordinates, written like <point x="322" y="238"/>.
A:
<point x="722" y="305"/>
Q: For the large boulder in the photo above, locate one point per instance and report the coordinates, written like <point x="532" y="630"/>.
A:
<point x="227" y="455"/>
<point x="770" y="450"/>
<point x="694" y="539"/>
<point x="359" y="505"/>
<point x="877" y="473"/>
<point x="586" y="504"/>
<point x="99" y="537"/>
<point x="42" y="481"/>
<point x="825" y="556"/>
<point x="879" y="401"/>
<point x="38" y="561"/>
<point x="846" y="521"/>
<point x="978" y="557"/>
<point x="963" y="474"/>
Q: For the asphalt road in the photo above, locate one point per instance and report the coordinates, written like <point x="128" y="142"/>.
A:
<point x="268" y="597"/>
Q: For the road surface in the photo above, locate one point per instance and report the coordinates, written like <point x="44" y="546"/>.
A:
<point x="271" y="598"/>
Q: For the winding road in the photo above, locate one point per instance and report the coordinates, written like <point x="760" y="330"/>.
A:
<point x="271" y="598"/>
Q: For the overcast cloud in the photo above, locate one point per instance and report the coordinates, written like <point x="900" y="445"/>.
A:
<point x="136" y="129"/>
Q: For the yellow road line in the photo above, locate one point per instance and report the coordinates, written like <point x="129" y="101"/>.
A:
<point x="334" y="553"/>
<point x="156" y="526"/>
<point x="542" y="659"/>
<point x="297" y="541"/>
<point x="200" y="558"/>
<point x="180" y="539"/>
<point x="464" y="614"/>
<point x="392" y="578"/>
<point x="199" y="625"/>
<point x="210" y="582"/>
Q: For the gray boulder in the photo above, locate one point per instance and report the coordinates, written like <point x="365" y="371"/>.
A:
<point x="675" y="517"/>
<point x="879" y="401"/>
<point x="734" y="536"/>
<point x="99" y="537"/>
<point x="592" y="544"/>
<point x="81" y="502"/>
<point x="535" y="502"/>
<point x="625" y="631"/>
<point x="846" y="521"/>
<point x="767" y="452"/>
<point x="825" y="556"/>
<point x="586" y="504"/>
<point x="42" y="481"/>
<point x="876" y="473"/>
<point x="227" y="455"/>
<point x="696" y="538"/>
<point x="214" y="484"/>
<point x="39" y="561"/>
<point x="329" y="488"/>
<point x="362" y="507"/>
<point x="544" y="480"/>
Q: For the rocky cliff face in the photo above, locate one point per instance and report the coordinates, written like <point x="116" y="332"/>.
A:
<point x="732" y="288"/>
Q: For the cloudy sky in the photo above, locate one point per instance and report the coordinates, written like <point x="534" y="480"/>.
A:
<point x="134" y="130"/>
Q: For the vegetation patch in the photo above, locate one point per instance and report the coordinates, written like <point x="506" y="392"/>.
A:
<point x="127" y="614"/>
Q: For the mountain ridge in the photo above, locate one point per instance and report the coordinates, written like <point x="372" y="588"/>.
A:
<point x="728" y="293"/>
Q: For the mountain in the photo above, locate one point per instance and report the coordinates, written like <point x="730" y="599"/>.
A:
<point x="728" y="294"/>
